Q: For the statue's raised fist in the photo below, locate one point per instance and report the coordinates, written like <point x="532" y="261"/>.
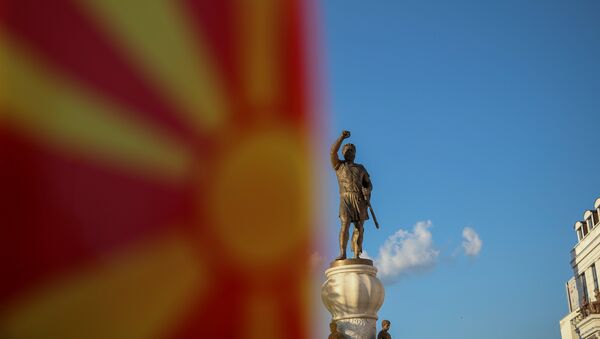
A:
<point x="346" y="134"/>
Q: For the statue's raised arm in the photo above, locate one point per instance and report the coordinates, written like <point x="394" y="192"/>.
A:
<point x="335" y="148"/>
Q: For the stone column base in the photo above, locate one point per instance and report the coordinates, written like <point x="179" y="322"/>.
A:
<point x="353" y="295"/>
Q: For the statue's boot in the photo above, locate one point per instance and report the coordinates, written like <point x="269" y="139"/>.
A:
<point x="357" y="251"/>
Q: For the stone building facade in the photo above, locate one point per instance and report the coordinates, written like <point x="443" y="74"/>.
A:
<point x="583" y="292"/>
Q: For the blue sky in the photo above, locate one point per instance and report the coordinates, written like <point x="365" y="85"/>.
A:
<point x="471" y="113"/>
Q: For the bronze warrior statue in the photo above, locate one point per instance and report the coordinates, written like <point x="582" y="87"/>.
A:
<point x="355" y="193"/>
<point x="385" y="327"/>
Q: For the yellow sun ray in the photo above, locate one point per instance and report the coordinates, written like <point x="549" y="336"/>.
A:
<point x="3" y="77"/>
<point x="139" y="293"/>
<point x="157" y="37"/>
<point x="61" y="114"/>
<point x="258" y="35"/>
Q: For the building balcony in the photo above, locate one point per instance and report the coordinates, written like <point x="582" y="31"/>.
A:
<point x="589" y="327"/>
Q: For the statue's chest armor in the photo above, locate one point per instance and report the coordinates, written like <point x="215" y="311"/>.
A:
<point x="349" y="172"/>
<point x="349" y="176"/>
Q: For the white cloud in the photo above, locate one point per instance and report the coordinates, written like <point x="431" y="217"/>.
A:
<point x="405" y="252"/>
<point x="471" y="243"/>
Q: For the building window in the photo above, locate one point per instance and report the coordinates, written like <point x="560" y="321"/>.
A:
<point x="595" y="276"/>
<point x="579" y="234"/>
<point x="590" y="223"/>
<point x="595" y="217"/>
<point x="585" y="228"/>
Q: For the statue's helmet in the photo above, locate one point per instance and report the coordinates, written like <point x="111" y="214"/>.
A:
<point x="349" y="151"/>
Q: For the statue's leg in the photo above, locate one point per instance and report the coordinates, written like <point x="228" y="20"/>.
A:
<point x="355" y="235"/>
<point x="344" y="233"/>
<point x="361" y="232"/>
<point x="357" y="238"/>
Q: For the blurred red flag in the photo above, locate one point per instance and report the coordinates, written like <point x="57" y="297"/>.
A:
<point x="155" y="169"/>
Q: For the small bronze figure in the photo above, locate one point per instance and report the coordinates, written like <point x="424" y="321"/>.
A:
<point x="385" y="326"/>
<point x="335" y="334"/>
<point x="355" y="193"/>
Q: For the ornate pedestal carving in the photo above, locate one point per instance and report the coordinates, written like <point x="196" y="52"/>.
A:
<point x="353" y="295"/>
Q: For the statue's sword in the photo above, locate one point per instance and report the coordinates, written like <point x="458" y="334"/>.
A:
<point x="372" y="214"/>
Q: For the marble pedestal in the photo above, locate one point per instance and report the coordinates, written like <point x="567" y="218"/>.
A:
<point x="353" y="295"/>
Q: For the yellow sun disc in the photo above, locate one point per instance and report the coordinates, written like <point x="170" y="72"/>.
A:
<point x="259" y="200"/>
